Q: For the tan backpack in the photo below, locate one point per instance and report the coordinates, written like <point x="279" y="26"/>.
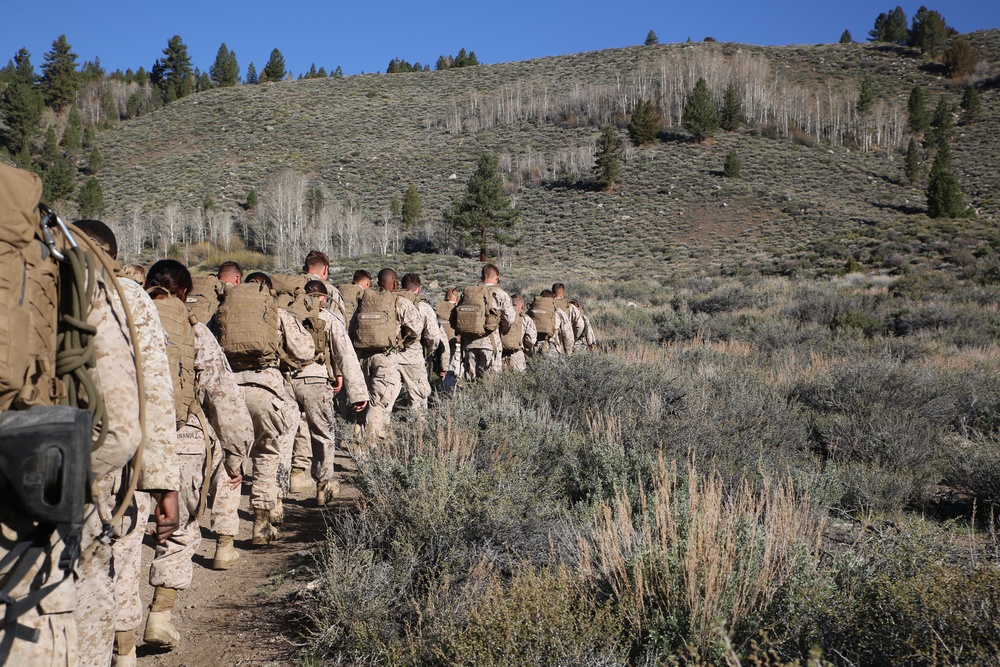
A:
<point x="177" y="323"/>
<point x="351" y="294"/>
<point x="543" y="312"/>
<point x="513" y="340"/>
<point x="475" y="316"/>
<point x="305" y="308"/>
<point x="204" y="298"/>
<point x="29" y="297"/>
<point x="443" y="311"/>
<point x="248" y="328"/>
<point x="285" y="284"/>
<point x="376" y="327"/>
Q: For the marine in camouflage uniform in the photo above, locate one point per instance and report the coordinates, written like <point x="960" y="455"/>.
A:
<point x="516" y="360"/>
<point x="483" y="355"/>
<point x="412" y="358"/>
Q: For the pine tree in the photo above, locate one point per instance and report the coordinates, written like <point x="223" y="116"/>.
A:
<point x="225" y="71"/>
<point x="960" y="58"/>
<point x="890" y="27"/>
<point x="274" y="70"/>
<point x="912" y="165"/>
<point x="88" y="137"/>
<point x="929" y="31"/>
<point x="484" y="213"/>
<point x="251" y="199"/>
<point x="57" y="180"/>
<point x="60" y="80"/>
<point x="91" y="199"/>
<point x="866" y="97"/>
<point x="920" y="120"/>
<point x="95" y="161"/>
<point x="72" y="139"/>
<point x="942" y="123"/>
<point x="944" y="194"/>
<point x="21" y="105"/>
<point x="732" y="167"/>
<point x="652" y="39"/>
<point x="732" y="110"/>
<point x="51" y="146"/>
<point x="972" y="105"/>
<point x="608" y="158"/>
<point x="173" y="74"/>
<point x="644" y="126"/>
<point x="339" y="73"/>
<point x="252" y="78"/>
<point x="845" y="37"/>
<point x="412" y="210"/>
<point x="204" y="82"/>
<point x="700" y="117"/>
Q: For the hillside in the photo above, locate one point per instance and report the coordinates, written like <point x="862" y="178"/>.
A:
<point x="365" y="138"/>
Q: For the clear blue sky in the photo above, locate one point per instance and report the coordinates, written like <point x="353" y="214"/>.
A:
<point x="365" y="36"/>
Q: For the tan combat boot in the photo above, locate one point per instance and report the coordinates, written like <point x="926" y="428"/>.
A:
<point x="226" y="554"/>
<point x="124" y="650"/>
<point x="159" y="631"/>
<point x="300" y="481"/>
<point x="276" y="516"/>
<point x="327" y="492"/>
<point x="263" y="531"/>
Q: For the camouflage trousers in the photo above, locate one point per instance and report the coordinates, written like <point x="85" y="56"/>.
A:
<point x="382" y="376"/>
<point x="477" y="362"/>
<point x="413" y="373"/>
<point x="128" y="563"/>
<point x="316" y="439"/>
<point x="275" y="421"/>
<point x="515" y="361"/>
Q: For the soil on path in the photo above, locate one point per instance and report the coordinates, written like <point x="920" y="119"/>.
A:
<point x="253" y="613"/>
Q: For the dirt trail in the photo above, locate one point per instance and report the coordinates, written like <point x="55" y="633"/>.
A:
<point x="250" y="614"/>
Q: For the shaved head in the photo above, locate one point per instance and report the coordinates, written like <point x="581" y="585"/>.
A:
<point x="387" y="279"/>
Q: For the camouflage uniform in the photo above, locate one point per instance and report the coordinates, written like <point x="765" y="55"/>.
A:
<point x="517" y="360"/>
<point x="335" y="301"/>
<point x="226" y="420"/>
<point x="562" y="341"/>
<point x="275" y="414"/>
<point x="314" y="394"/>
<point x="116" y="381"/>
<point x="381" y="371"/>
<point x="413" y="364"/>
<point x="589" y="337"/>
<point x="483" y="355"/>
<point x="159" y="471"/>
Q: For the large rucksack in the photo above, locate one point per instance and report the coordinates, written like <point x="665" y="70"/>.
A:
<point x="305" y="308"/>
<point x="204" y="298"/>
<point x="177" y="323"/>
<point x="443" y="311"/>
<point x="513" y="340"/>
<point x="351" y="294"/>
<point x="29" y="296"/>
<point x="376" y="326"/>
<point x="248" y="328"/>
<point x="543" y="313"/>
<point x="475" y="315"/>
<point x="285" y="284"/>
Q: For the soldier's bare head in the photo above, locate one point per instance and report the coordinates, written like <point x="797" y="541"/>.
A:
<point x="559" y="290"/>
<point x="136" y="272"/>
<point x="318" y="289"/>
<point x="259" y="277"/>
<point x="491" y="274"/>
<point x="317" y="264"/>
<point x="170" y="275"/>
<point x="230" y="273"/>
<point x="411" y="283"/>
<point x="518" y="302"/>
<point x="362" y="278"/>
<point x="451" y="295"/>
<point x="547" y="293"/>
<point x="387" y="279"/>
<point x="101" y="234"/>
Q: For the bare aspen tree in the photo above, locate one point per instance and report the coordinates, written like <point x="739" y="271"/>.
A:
<point x="282" y="211"/>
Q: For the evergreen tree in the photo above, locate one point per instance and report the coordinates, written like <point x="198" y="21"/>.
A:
<point x="845" y="37"/>
<point x="912" y="165"/>
<point x="960" y="58"/>
<point x="251" y="199"/>
<point x="608" y="158"/>
<point x="92" y="70"/>
<point x="21" y="105"/>
<point x="866" y="97"/>
<point x="920" y="120"/>
<point x="700" y="118"/>
<point x="732" y="110"/>
<point x="891" y="27"/>
<point x="91" y="199"/>
<point x="57" y="180"/>
<point x="95" y="161"/>
<point x="339" y="73"/>
<point x="172" y="73"/>
<point x="972" y="105"/>
<point x="732" y="167"/>
<point x="225" y="71"/>
<point x="942" y="123"/>
<point x="484" y="213"/>
<point x="88" y="137"/>
<point x="929" y="31"/>
<point x="944" y="194"/>
<point x="204" y="82"/>
<point x="73" y="136"/>
<point x="134" y="105"/>
<point x="652" y="39"/>
<point x="321" y="74"/>
<point x="412" y="210"/>
<point x="252" y="78"/>
<point x="60" y="80"/>
<point x="644" y="126"/>
<point x="274" y="70"/>
<point x="51" y="146"/>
